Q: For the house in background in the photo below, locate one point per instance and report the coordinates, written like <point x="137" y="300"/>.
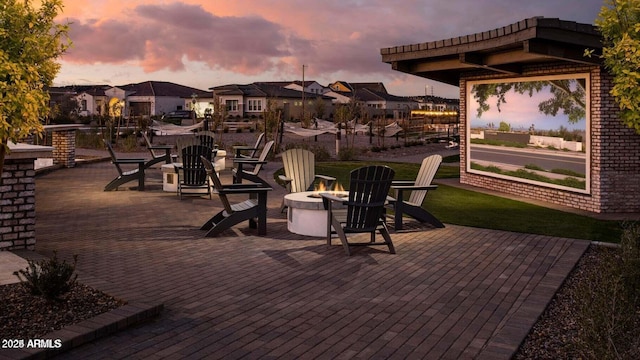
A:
<point x="374" y="97"/>
<point x="158" y="97"/>
<point x="250" y="100"/>
<point x="310" y="86"/>
<point x="148" y="98"/>
<point x="93" y="101"/>
<point x="382" y="104"/>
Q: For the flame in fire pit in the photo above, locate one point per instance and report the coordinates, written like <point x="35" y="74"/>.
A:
<point x="322" y="188"/>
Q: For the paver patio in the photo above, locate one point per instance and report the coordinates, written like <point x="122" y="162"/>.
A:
<point x="449" y="293"/>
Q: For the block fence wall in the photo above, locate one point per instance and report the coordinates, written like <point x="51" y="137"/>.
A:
<point x="18" y="205"/>
<point x="614" y="155"/>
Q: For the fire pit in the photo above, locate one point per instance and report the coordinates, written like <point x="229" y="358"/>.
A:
<point x="306" y="214"/>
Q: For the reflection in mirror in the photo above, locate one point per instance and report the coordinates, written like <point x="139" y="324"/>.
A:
<point x="533" y="130"/>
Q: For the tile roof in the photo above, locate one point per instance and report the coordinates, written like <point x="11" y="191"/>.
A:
<point x="163" y="88"/>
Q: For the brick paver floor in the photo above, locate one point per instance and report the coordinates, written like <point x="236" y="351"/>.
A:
<point x="449" y="293"/>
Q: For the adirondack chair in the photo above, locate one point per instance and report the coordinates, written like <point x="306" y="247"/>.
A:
<point x="418" y="188"/>
<point x="192" y="174"/>
<point x="300" y="172"/>
<point x="125" y="176"/>
<point x="251" y="151"/>
<point x="184" y="141"/>
<point x="207" y="138"/>
<point x="155" y="158"/>
<point x="240" y="172"/>
<point x="368" y="190"/>
<point x="253" y="209"/>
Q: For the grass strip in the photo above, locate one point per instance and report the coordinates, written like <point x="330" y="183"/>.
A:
<point x="458" y="206"/>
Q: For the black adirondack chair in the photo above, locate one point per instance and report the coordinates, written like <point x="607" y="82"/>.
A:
<point x="364" y="213"/>
<point x="165" y="155"/>
<point x="254" y="209"/>
<point x="192" y="174"/>
<point x="241" y="172"/>
<point x="207" y="138"/>
<point x="124" y="177"/>
<point x="249" y="151"/>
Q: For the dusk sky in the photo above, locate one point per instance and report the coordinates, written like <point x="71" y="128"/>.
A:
<point x="203" y="44"/>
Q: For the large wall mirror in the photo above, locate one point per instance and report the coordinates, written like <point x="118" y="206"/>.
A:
<point x="533" y="129"/>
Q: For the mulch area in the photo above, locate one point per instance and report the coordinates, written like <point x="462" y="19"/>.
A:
<point x="27" y="316"/>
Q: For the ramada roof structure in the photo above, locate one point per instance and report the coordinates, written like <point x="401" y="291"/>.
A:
<point x="503" y="50"/>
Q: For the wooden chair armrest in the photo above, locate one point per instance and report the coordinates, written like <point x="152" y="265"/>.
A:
<point x="248" y="161"/>
<point x="285" y="180"/>
<point x="415" y="187"/>
<point x="245" y="190"/>
<point x="402" y="182"/>
<point x="128" y="161"/>
<point x="325" y="177"/>
<point x="238" y="149"/>
<point x="160" y="147"/>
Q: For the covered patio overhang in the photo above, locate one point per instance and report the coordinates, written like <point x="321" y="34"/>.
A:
<point x="506" y="50"/>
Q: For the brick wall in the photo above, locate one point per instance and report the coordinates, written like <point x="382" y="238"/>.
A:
<point x="17" y="205"/>
<point x="614" y="151"/>
<point x="64" y="147"/>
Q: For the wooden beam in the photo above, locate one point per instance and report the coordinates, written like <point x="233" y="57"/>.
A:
<point x="430" y="65"/>
<point x="479" y="61"/>
<point x="561" y="52"/>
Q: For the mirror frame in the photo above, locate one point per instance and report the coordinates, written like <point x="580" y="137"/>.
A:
<point x="586" y="143"/>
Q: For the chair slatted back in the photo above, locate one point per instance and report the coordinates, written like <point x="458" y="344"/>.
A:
<point x="146" y="140"/>
<point x="193" y="171"/>
<point x="217" y="185"/>
<point x="299" y="165"/>
<point x="207" y="138"/>
<point x="257" y="145"/>
<point x="263" y="156"/>
<point x="184" y="141"/>
<point x="368" y="190"/>
<point x="427" y="171"/>
<point x="113" y="156"/>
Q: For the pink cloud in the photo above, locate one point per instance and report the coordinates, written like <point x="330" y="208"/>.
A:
<point x="271" y="39"/>
<point x="161" y="35"/>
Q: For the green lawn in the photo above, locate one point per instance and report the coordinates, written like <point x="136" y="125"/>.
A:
<point x="453" y="205"/>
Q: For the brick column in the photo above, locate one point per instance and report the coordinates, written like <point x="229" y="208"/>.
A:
<point x="64" y="147"/>
<point x="18" y="205"/>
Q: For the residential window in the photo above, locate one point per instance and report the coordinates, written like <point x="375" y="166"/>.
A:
<point x="255" y="105"/>
<point x="232" y="105"/>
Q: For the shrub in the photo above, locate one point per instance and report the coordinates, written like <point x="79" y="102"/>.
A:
<point x="130" y="143"/>
<point x="347" y="154"/>
<point x="293" y="145"/>
<point x="609" y="310"/>
<point x="322" y="154"/>
<point x="89" y="140"/>
<point x="49" y="277"/>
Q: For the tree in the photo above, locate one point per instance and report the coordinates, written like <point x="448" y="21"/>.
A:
<point x="30" y="42"/>
<point x="567" y="95"/>
<point x="319" y="107"/>
<point x="505" y="127"/>
<point x="619" y="24"/>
